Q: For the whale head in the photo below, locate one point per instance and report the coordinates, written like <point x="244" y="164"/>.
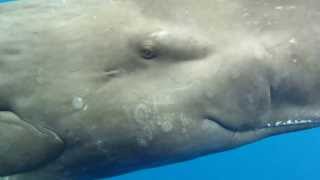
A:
<point x="136" y="84"/>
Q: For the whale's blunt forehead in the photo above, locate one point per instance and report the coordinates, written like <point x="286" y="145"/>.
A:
<point x="274" y="48"/>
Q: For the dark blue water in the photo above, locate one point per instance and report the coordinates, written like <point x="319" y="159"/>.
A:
<point x="294" y="156"/>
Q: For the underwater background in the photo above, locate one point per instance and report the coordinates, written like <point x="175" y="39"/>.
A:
<point x="293" y="156"/>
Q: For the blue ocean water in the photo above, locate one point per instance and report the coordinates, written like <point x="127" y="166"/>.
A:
<point x="294" y="156"/>
<point x="2" y="1"/>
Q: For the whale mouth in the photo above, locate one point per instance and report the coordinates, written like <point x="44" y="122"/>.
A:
<point x="240" y="137"/>
<point x="281" y="125"/>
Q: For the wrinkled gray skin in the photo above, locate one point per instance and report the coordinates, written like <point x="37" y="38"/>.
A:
<point x="98" y="88"/>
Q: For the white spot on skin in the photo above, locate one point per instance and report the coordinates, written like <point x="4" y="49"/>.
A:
<point x="78" y="103"/>
<point x="143" y="115"/>
<point x="185" y="123"/>
<point x="166" y="126"/>
<point x="278" y="123"/>
<point x="159" y="35"/>
<point x="279" y="8"/>
<point x="100" y="145"/>
<point x="246" y="14"/>
<point x="292" y="7"/>
<point x="85" y="107"/>
<point x="257" y="49"/>
<point x="293" y="41"/>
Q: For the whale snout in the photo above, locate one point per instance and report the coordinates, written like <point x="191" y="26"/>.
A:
<point x="264" y="98"/>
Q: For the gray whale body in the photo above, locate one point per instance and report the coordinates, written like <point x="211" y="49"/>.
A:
<point x="93" y="89"/>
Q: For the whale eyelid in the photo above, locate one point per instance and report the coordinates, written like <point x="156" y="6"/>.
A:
<point x="151" y="47"/>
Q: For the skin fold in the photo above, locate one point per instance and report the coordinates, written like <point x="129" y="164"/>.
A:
<point x="93" y="89"/>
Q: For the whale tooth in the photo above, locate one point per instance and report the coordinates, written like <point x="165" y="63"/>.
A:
<point x="303" y="121"/>
<point x="278" y="123"/>
<point x="290" y="122"/>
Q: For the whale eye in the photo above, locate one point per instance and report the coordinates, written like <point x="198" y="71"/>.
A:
<point x="148" y="50"/>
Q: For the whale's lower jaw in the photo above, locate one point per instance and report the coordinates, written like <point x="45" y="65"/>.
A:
<point x="267" y="129"/>
<point x="296" y="122"/>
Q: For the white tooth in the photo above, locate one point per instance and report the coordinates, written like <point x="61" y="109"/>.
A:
<point x="290" y="122"/>
<point x="278" y="123"/>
